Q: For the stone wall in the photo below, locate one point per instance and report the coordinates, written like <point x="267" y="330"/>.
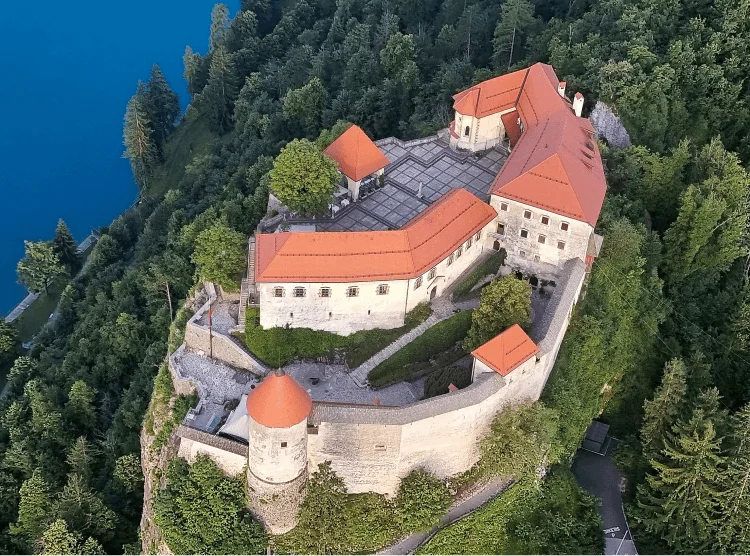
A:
<point x="224" y="348"/>
<point x="276" y="505"/>
<point x="229" y="456"/>
<point x="182" y="385"/>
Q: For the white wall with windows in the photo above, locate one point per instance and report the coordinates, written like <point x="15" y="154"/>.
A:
<point x="536" y="239"/>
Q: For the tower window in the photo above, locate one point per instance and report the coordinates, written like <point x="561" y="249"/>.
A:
<point x="545" y="220"/>
<point x="561" y="245"/>
<point x="527" y="214"/>
<point x="467" y="131"/>
<point x="524" y="233"/>
<point x="283" y="444"/>
<point x="564" y="226"/>
<point x="542" y="239"/>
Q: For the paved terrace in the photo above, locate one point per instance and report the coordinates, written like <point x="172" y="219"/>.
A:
<point x="428" y="161"/>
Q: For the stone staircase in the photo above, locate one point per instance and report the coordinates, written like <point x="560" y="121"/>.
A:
<point x="442" y="308"/>
<point x="248" y="290"/>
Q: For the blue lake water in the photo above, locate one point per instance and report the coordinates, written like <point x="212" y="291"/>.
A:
<point x="68" y="71"/>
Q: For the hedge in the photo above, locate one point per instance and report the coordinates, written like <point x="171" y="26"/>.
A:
<point x="438" y="381"/>
<point x="440" y="338"/>
<point x="279" y="346"/>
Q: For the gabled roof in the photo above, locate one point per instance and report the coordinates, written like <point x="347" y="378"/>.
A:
<point x="373" y="256"/>
<point x="507" y="350"/>
<point x="555" y="165"/>
<point x="279" y="402"/>
<point x="356" y="154"/>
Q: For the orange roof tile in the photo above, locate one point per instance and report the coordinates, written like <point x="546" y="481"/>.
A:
<point x="356" y="154"/>
<point x="372" y="256"/>
<point x="279" y="402"/>
<point x="507" y="350"/>
<point x="555" y="165"/>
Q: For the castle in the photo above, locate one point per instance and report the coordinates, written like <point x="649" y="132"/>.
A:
<point x="361" y="273"/>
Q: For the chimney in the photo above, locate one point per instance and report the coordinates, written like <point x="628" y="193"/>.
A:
<point x="578" y="104"/>
<point x="561" y="89"/>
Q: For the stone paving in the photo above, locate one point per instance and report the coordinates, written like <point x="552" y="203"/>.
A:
<point x="223" y="317"/>
<point x="220" y="384"/>
<point x="334" y="383"/>
<point x="433" y="165"/>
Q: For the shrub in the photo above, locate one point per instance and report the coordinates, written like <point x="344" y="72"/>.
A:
<point x="489" y="266"/>
<point x="441" y="337"/>
<point x="421" y="500"/>
<point x="203" y="512"/>
<point x="438" y="381"/>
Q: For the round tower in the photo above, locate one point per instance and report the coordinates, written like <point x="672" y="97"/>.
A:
<point x="277" y="452"/>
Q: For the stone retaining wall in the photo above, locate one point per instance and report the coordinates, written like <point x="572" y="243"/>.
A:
<point x="229" y="456"/>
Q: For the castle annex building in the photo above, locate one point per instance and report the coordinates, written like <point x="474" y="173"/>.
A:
<point x="518" y="169"/>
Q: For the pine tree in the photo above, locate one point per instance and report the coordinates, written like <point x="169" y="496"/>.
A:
<point x="138" y="140"/>
<point x="221" y="91"/>
<point x="194" y="72"/>
<point x="661" y="413"/>
<point x="679" y="502"/>
<point x="734" y="500"/>
<point x="163" y="107"/>
<point x="515" y="21"/>
<point x="219" y="26"/>
<point x="57" y="539"/>
<point x="66" y="249"/>
<point x="33" y="509"/>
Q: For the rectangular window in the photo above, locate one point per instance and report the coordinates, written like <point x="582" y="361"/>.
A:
<point x="450" y="259"/>
<point x="561" y="245"/>
<point x="325" y="292"/>
<point x="536" y="258"/>
<point x="503" y="206"/>
<point x="283" y="444"/>
<point x="383" y="289"/>
<point x="479" y="234"/>
<point x="352" y="291"/>
<point x="468" y="244"/>
<point x="522" y="254"/>
<point x="278" y="292"/>
<point x="418" y="283"/>
<point x="501" y="229"/>
<point x="299" y="292"/>
<point x="527" y="214"/>
<point x="564" y="226"/>
<point x="432" y="273"/>
<point x="459" y="251"/>
<point x="545" y="220"/>
<point x="524" y="233"/>
<point x="542" y="239"/>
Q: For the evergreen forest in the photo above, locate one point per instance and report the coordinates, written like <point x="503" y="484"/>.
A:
<point x="659" y="348"/>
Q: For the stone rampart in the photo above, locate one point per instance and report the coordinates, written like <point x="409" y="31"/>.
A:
<point x="229" y="456"/>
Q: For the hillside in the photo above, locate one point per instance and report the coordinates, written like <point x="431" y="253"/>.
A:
<point x="671" y="292"/>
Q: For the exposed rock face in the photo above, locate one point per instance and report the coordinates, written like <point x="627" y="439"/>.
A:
<point x="151" y="461"/>
<point x="608" y="126"/>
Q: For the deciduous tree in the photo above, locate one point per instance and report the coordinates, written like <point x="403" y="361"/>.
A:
<point x="40" y="266"/>
<point x="220" y="255"/>
<point x="303" y="178"/>
<point x="503" y="303"/>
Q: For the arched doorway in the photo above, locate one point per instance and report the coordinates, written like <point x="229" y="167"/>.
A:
<point x="433" y="293"/>
<point x="496" y="245"/>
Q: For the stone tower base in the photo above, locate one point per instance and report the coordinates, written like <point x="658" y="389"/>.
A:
<point x="276" y="505"/>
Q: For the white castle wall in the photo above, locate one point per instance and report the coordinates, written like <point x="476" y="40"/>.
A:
<point x="277" y="455"/>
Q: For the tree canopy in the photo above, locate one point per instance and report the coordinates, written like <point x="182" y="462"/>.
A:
<point x="503" y="303"/>
<point x="220" y="255"/>
<point x="40" y="266"/>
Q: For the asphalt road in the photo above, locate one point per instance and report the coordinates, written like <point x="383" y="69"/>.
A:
<point x="598" y="475"/>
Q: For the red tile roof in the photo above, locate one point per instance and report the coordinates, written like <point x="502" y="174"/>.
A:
<point x="555" y="165"/>
<point x="507" y="350"/>
<point x="356" y="154"/>
<point x="373" y="256"/>
<point x="279" y="402"/>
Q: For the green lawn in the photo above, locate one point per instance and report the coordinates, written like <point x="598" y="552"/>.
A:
<point x="191" y="138"/>
<point x="437" y="346"/>
<point x="37" y="314"/>
<point x="490" y="266"/>
<point x="279" y="346"/>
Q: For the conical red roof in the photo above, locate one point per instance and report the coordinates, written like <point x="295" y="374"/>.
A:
<point x="279" y="402"/>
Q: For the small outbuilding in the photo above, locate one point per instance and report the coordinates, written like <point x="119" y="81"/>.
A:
<point x="358" y="158"/>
